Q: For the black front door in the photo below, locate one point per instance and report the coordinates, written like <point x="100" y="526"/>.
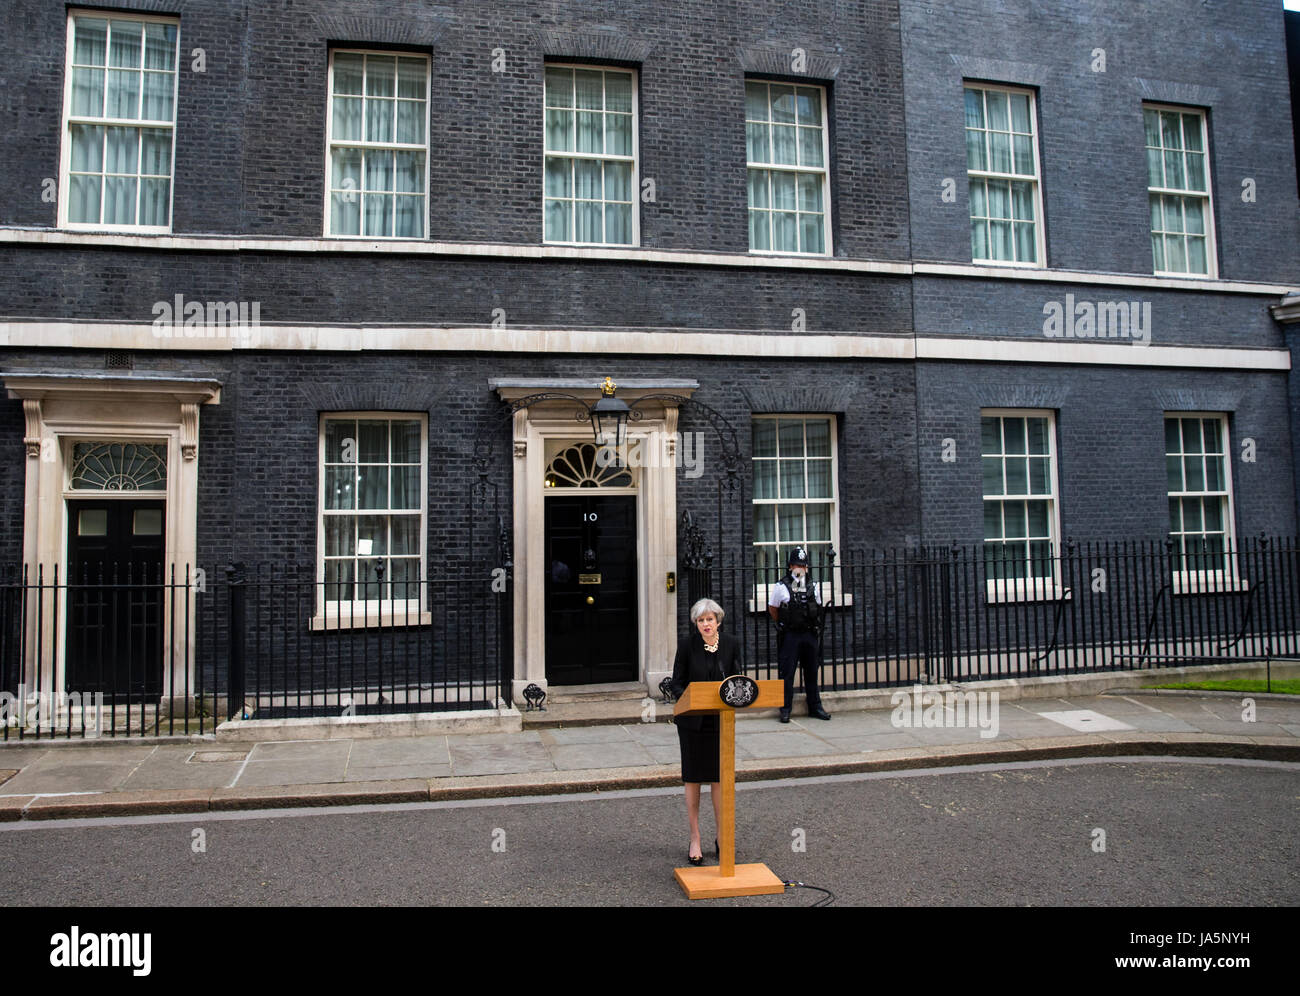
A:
<point x="115" y="596"/>
<point x="591" y="632"/>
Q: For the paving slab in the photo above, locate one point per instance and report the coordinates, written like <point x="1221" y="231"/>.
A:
<point x="766" y="745"/>
<point x="1028" y="728"/>
<point x="877" y="742"/>
<point x="848" y="724"/>
<point x="1184" y="708"/>
<point x="1236" y="728"/>
<point x="1085" y="720"/>
<point x="100" y="751"/>
<point x="585" y="735"/>
<point x="1159" y="723"/>
<point x="499" y="758"/>
<point x="19" y="756"/>
<point x="44" y="777"/>
<point x="395" y="772"/>
<point x="403" y="750"/>
<point x="1123" y="705"/>
<point x="600" y="755"/>
<point x="650" y="734"/>
<point x="952" y="734"/>
<point x="298" y="750"/>
<point x="484" y="739"/>
<point x="303" y="772"/>
<point x="173" y="769"/>
<point x="665" y="754"/>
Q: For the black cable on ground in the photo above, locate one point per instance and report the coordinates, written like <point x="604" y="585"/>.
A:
<point x="826" y="900"/>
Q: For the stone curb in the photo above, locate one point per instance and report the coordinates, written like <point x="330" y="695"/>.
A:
<point x="141" y="802"/>
<point x="1209" y="693"/>
<point x="326" y="794"/>
<point x="153" y="802"/>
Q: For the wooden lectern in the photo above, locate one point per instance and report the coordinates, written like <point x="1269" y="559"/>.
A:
<point x="728" y="878"/>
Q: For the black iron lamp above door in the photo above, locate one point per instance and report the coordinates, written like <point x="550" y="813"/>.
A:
<point x="609" y="418"/>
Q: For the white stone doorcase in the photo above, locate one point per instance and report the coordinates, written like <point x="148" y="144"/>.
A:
<point x="62" y="410"/>
<point x="550" y="422"/>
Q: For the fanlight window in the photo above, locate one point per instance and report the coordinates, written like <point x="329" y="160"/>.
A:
<point x="584" y="466"/>
<point x="119" y="467"/>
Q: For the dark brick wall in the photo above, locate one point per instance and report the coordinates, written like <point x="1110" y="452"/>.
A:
<point x="13" y="462"/>
<point x="1227" y="56"/>
<point x="120" y="284"/>
<point x="251" y="160"/>
<point x="258" y="448"/>
<point x="251" y="129"/>
<point x="1000" y="308"/>
<point x="1110" y="444"/>
<point x="1293" y="65"/>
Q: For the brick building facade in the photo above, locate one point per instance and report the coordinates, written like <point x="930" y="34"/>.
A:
<point x="879" y="239"/>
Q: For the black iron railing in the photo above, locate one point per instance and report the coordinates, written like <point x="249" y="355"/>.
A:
<point x="134" y="652"/>
<point x="130" y="653"/>
<point x="899" y="617"/>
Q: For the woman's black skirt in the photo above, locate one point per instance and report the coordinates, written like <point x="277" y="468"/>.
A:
<point x="700" y="751"/>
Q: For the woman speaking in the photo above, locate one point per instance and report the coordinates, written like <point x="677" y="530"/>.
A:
<point x="705" y="654"/>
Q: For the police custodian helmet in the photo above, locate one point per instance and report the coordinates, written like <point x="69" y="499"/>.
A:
<point x="798" y="557"/>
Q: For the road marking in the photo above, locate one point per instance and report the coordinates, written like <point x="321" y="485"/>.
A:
<point x="1137" y="703"/>
<point x="1085" y="720"/>
<point x="242" y="766"/>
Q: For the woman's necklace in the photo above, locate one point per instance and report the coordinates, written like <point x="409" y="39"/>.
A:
<point x="712" y="647"/>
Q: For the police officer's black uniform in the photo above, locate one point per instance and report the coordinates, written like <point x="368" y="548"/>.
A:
<point x="798" y="624"/>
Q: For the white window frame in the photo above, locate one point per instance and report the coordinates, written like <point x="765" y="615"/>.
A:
<point x="824" y="171"/>
<point x="1224" y="577"/>
<point x="365" y="145"/>
<point x="362" y="613"/>
<point x="1211" y="252"/>
<point x="634" y="159"/>
<point x="1037" y="587"/>
<point x="1040" y="228"/>
<point x="69" y="119"/>
<point x="763" y="589"/>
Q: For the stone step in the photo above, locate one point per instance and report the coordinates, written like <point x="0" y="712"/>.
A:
<point x="621" y="691"/>
<point x="590" y="705"/>
<point x="589" y="713"/>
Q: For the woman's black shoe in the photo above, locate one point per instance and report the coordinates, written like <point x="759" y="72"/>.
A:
<point x="717" y="851"/>
<point x="697" y="859"/>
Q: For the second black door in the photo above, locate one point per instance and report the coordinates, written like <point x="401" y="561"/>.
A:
<point x="115" y="596"/>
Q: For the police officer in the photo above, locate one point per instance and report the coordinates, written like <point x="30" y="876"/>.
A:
<point x="798" y="614"/>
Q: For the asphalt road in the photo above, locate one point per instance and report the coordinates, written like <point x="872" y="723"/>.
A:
<point x="1176" y="832"/>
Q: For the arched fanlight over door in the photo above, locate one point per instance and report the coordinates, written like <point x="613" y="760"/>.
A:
<point x="118" y="466"/>
<point x="582" y="466"/>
